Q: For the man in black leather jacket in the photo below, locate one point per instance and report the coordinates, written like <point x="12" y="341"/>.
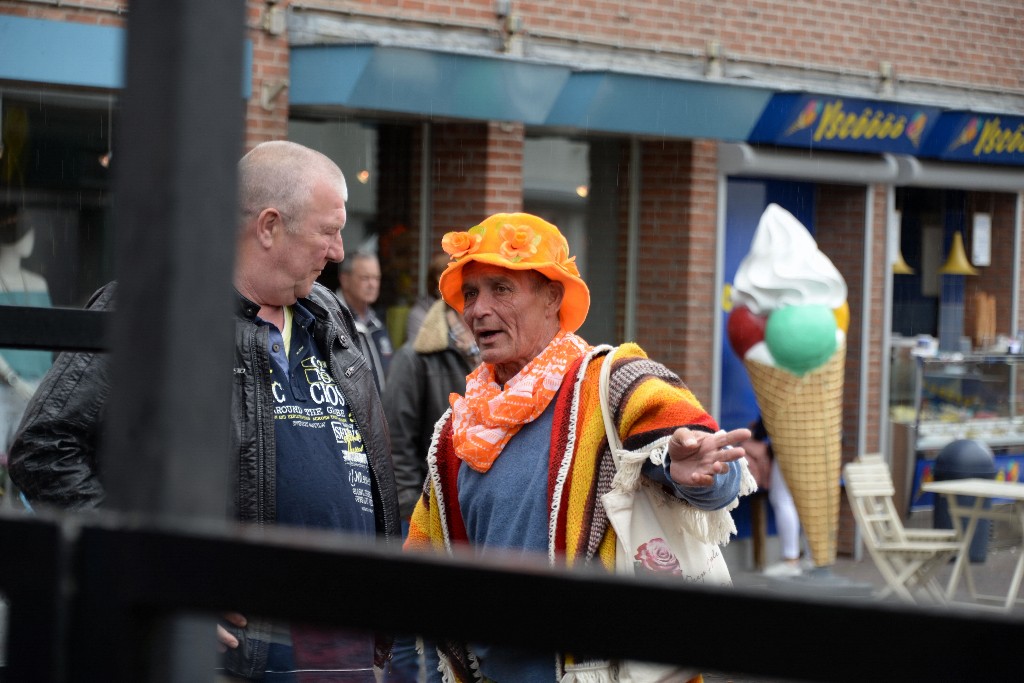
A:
<point x="423" y="374"/>
<point x="309" y="439"/>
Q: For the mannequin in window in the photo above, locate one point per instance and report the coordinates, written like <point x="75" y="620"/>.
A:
<point x="20" y="369"/>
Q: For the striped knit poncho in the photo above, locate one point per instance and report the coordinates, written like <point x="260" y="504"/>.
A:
<point x="650" y="401"/>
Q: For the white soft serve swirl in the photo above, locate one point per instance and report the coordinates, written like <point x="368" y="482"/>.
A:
<point x="784" y="267"/>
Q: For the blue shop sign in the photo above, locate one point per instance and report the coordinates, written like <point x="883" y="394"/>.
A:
<point x="966" y="136"/>
<point x="844" y="124"/>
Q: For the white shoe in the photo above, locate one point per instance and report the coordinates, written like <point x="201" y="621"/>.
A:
<point x="783" y="569"/>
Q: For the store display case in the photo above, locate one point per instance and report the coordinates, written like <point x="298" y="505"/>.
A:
<point x="936" y="399"/>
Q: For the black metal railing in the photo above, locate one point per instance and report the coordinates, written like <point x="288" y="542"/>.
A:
<point x="86" y="592"/>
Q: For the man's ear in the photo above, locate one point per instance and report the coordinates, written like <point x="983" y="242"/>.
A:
<point x="556" y="291"/>
<point x="269" y="223"/>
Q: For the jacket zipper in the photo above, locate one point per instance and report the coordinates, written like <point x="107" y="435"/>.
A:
<point x="332" y="338"/>
<point x="261" y="464"/>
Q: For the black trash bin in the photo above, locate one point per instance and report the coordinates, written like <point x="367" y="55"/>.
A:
<point x="964" y="459"/>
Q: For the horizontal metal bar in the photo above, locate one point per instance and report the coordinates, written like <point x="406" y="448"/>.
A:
<point x="328" y="579"/>
<point x="60" y="329"/>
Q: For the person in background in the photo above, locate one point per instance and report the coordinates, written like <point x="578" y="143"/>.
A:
<point x="309" y="441"/>
<point x="766" y="472"/>
<point x="360" y="287"/>
<point x="423" y="374"/>
<point x="419" y="310"/>
<point x="518" y="465"/>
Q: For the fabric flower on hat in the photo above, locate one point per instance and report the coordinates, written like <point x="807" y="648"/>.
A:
<point x="459" y="244"/>
<point x="569" y="266"/>
<point x="518" y="242"/>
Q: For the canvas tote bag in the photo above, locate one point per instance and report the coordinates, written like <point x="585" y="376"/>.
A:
<point x="657" y="533"/>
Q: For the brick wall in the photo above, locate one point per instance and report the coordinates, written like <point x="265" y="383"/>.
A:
<point x="839" y="231"/>
<point x="476" y="170"/>
<point x="100" y="12"/>
<point x="840" y="227"/>
<point x="505" y="142"/>
<point x="676" y="267"/>
<point x="270" y="67"/>
<point x="978" y="43"/>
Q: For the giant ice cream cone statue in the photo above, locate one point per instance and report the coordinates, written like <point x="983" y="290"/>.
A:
<point x="788" y="324"/>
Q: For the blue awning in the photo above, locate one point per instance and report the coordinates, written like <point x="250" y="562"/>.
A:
<point x="61" y="52"/>
<point x="651" y="105"/>
<point x="432" y="83"/>
<point x="73" y="53"/>
<point x="424" y="82"/>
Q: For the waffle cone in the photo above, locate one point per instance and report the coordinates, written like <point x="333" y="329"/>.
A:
<point x="803" y="416"/>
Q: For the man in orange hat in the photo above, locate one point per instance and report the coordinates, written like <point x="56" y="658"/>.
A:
<point x="520" y="462"/>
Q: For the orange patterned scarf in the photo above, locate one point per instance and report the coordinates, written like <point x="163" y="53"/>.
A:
<point x="487" y="417"/>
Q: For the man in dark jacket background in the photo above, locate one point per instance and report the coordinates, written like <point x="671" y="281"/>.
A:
<point x="310" y="446"/>
<point x="359" y="290"/>
<point x="424" y="372"/>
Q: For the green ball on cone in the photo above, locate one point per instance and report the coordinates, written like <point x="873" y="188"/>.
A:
<point x="801" y="338"/>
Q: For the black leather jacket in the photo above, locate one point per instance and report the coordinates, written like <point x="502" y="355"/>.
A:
<point x="53" y="460"/>
<point x="422" y="375"/>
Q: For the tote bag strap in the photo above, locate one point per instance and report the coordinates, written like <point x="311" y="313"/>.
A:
<point x="614" y="443"/>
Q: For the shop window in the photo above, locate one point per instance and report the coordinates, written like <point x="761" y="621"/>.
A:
<point x="375" y="157"/>
<point x="573" y="184"/>
<point x="353" y="146"/>
<point x="56" y="239"/>
<point x="556" y="184"/>
<point x="55" y="173"/>
<point x="916" y="295"/>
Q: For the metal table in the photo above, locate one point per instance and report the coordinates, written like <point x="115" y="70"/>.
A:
<point x="981" y="490"/>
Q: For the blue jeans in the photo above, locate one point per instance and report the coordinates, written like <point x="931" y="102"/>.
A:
<point x="404" y="666"/>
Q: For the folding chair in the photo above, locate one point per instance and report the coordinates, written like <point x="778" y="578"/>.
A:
<point x="908" y="559"/>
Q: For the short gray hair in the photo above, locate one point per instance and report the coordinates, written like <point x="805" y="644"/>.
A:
<point x="280" y="174"/>
<point x="350" y="260"/>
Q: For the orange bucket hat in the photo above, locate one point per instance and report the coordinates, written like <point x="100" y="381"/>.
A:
<point x="517" y="241"/>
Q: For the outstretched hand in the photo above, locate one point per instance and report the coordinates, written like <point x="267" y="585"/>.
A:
<point x="698" y="456"/>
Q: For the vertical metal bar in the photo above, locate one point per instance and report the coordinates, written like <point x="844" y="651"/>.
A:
<point x="717" y="334"/>
<point x="1018" y="229"/>
<point x="176" y="218"/>
<point x="167" y="430"/>
<point x="632" y="240"/>
<point x="1018" y="217"/>
<point x="865" y="322"/>
<point x="427" y="246"/>
<point x="885" y="435"/>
